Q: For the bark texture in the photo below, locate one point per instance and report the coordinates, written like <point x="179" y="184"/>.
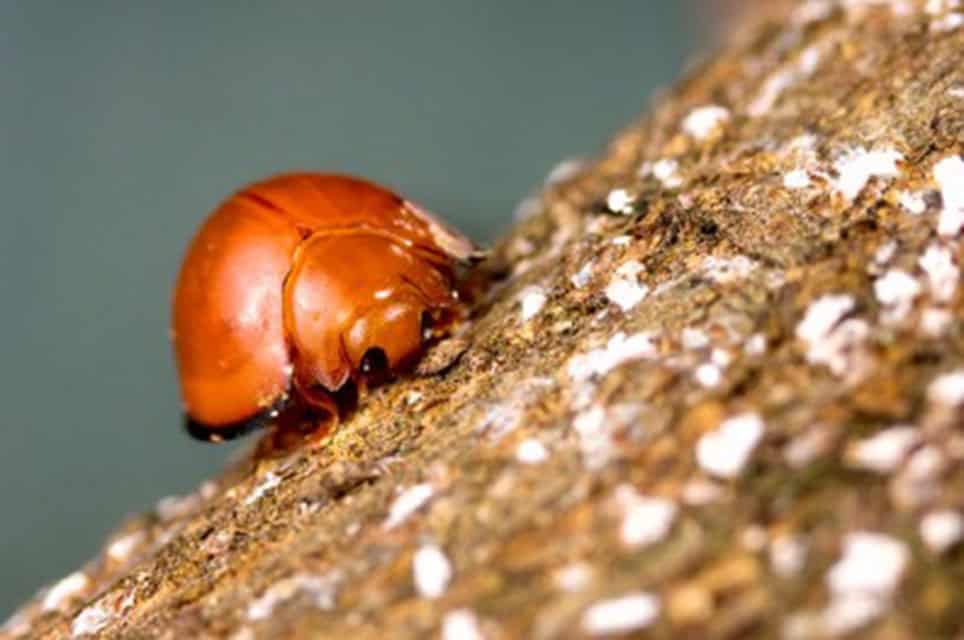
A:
<point x="714" y="390"/>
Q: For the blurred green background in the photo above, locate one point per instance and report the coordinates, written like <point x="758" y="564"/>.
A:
<point x="123" y="125"/>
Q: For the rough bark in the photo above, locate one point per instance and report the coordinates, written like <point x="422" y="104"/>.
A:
<point x="714" y="390"/>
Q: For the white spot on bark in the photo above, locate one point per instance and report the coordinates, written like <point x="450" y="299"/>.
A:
<point x="787" y="555"/>
<point x="532" y="299"/>
<point x="573" y="577"/>
<point x="913" y="202"/>
<point x="725" y="451"/>
<point x="90" y="621"/>
<point x="624" y="614"/>
<point x="796" y="179"/>
<point x="432" y="571"/>
<point x="727" y="270"/>
<point x="702" y="122"/>
<point x="780" y="81"/>
<point x="582" y="277"/>
<point x="646" y="519"/>
<point x="884" y="451"/>
<point x="858" y="166"/>
<point x="120" y="550"/>
<point x="624" y="289"/>
<point x="666" y="171"/>
<point x="947" y="389"/>
<point x="619" y="350"/>
<point x="949" y="175"/>
<point x="531" y="451"/>
<point x="322" y="590"/>
<point x="941" y="530"/>
<point x="407" y="503"/>
<point x="943" y="275"/>
<point x="620" y="201"/>
<point x="270" y="481"/>
<point x="896" y="290"/>
<point x="829" y="341"/>
<point x="872" y="563"/>
<point x="461" y="624"/>
<point x="68" y="588"/>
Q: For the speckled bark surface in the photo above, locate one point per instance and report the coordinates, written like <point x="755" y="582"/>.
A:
<point x="715" y="390"/>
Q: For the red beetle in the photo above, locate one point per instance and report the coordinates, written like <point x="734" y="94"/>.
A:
<point x="300" y="287"/>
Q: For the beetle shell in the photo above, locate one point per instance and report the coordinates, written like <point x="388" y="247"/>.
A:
<point x="296" y="286"/>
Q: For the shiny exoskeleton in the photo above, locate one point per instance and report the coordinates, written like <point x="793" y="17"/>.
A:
<point x="301" y="286"/>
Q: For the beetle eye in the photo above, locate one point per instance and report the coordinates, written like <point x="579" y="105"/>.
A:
<point x="374" y="361"/>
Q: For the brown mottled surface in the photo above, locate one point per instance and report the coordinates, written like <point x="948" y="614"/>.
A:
<point x="745" y="289"/>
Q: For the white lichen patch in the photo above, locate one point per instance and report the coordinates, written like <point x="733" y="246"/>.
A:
<point x="943" y="275"/>
<point x="531" y="451"/>
<point x="725" y="451"/>
<point x="755" y="345"/>
<point x="727" y="270"/>
<point x="503" y="417"/>
<point x="912" y="202"/>
<point x="624" y="289"/>
<point x="916" y="484"/>
<point x="947" y="389"/>
<point x="461" y="624"/>
<point x="582" y="277"/>
<point x="808" y="446"/>
<point x="693" y="338"/>
<point x="91" y="620"/>
<point x="532" y="300"/>
<point x="646" y="520"/>
<point x="934" y="321"/>
<point x="942" y="530"/>
<point x="787" y="555"/>
<point x="174" y="507"/>
<point x="69" y="588"/>
<point x="595" y="437"/>
<point x="949" y="22"/>
<point x="620" y="201"/>
<point x="822" y="316"/>
<point x="407" y="503"/>
<point x="949" y="175"/>
<point x="832" y="341"/>
<point x="700" y="492"/>
<point x="708" y="375"/>
<point x="322" y="589"/>
<point x="896" y="291"/>
<point x="666" y="171"/>
<point x="885" y="253"/>
<point x="573" y="577"/>
<point x="431" y="571"/>
<point x="872" y="563"/>
<point x="884" y="451"/>
<point x="856" y="167"/>
<point x="121" y="549"/>
<point x="631" y="612"/>
<point x="269" y="482"/>
<point x="619" y="350"/>
<point x="703" y="122"/>
<point x="796" y="179"/>
<point x="851" y="611"/>
<point x="778" y="82"/>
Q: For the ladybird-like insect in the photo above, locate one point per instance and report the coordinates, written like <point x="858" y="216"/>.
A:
<point x="300" y="289"/>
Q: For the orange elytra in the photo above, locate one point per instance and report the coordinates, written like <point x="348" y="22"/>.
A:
<point x="301" y="286"/>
